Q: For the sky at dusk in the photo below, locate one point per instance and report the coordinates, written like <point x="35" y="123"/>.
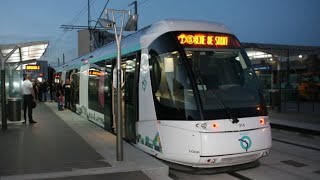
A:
<point x="291" y="22"/>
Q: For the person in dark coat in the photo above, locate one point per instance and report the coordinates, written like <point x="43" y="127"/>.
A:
<point x="51" y="89"/>
<point x="39" y="85"/>
<point x="59" y="93"/>
<point x="35" y="89"/>
<point x="44" y="89"/>
<point x="67" y="93"/>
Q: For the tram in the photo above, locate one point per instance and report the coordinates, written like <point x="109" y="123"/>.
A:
<point x="190" y="95"/>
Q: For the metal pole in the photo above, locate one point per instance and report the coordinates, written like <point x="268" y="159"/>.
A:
<point x="89" y="29"/>
<point x="3" y="98"/>
<point x="136" y="12"/>
<point x="3" y="122"/>
<point x="288" y="85"/>
<point x="279" y="84"/>
<point x="119" y="102"/>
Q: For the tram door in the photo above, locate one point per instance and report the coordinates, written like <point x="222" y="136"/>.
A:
<point x="108" y="115"/>
<point x="130" y="97"/>
<point x="74" y="79"/>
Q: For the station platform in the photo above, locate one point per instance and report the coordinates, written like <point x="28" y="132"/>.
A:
<point x="305" y="123"/>
<point x="62" y="145"/>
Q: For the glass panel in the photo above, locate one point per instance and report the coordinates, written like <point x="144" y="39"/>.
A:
<point x="108" y="89"/>
<point x="224" y="80"/>
<point x="173" y="93"/>
<point x="108" y="98"/>
<point x="96" y="89"/>
<point x="130" y="97"/>
<point x="13" y="81"/>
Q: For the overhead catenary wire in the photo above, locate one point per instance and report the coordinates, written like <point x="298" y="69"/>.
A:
<point x="133" y="7"/>
<point x="78" y="16"/>
<point x="101" y="13"/>
<point x="72" y="22"/>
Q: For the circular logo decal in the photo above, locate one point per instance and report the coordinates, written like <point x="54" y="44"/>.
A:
<point x="245" y="142"/>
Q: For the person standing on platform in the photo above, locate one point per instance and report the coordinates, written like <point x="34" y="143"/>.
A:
<point x="28" y="98"/>
<point x="35" y="89"/>
<point x="44" y="90"/>
<point x="51" y="89"/>
<point x="39" y="84"/>
<point x="59" y="93"/>
<point x="67" y="93"/>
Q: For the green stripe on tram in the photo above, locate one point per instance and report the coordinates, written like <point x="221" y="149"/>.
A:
<point x="114" y="55"/>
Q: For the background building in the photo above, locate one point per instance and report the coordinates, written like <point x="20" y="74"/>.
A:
<point x="98" y="39"/>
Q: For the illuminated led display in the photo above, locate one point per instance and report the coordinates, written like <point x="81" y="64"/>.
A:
<point x="32" y="67"/>
<point x="203" y="39"/>
<point x="94" y="73"/>
<point x="221" y="40"/>
<point x="207" y="40"/>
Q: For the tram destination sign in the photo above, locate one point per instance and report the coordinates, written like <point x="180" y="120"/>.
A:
<point x="208" y="40"/>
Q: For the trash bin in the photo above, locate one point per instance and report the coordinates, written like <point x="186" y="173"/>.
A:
<point x="14" y="109"/>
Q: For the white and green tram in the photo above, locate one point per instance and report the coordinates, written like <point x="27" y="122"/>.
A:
<point x="190" y="95"/>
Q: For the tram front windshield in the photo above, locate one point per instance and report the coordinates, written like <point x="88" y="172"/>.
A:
<point x="226" y="84"/>
<point x="192" y="82"/>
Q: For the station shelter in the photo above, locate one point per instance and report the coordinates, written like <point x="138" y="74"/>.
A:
<point x="14" y="58"/>
<point x="289" y="75"/>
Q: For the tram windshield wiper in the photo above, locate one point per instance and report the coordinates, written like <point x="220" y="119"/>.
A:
<point x="226" y="108"/>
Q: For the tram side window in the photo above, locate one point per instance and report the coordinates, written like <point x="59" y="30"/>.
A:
<point x="75" y="84"/>
<point x="95" y="93"/>
<point x="170" y="82"/>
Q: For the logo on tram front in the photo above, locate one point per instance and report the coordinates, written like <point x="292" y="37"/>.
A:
<point x="245" y="142"/>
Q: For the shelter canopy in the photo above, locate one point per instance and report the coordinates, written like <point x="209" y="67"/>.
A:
<point x="24" y="51"/>
<point x="280" y="50"/>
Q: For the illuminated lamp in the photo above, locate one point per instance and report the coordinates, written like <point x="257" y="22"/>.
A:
<point x="215" y="125"/>
<point x="262" y="121"/>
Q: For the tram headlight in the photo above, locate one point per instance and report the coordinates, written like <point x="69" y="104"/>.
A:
<point x="204" y="125"/>
<point x="215" y="125"/>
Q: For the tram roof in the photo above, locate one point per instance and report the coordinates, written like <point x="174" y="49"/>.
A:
<point x="25" y="52"/>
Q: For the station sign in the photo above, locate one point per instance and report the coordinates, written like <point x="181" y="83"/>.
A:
<point x="32" y="67"/>
<point x="260" y="67"/>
